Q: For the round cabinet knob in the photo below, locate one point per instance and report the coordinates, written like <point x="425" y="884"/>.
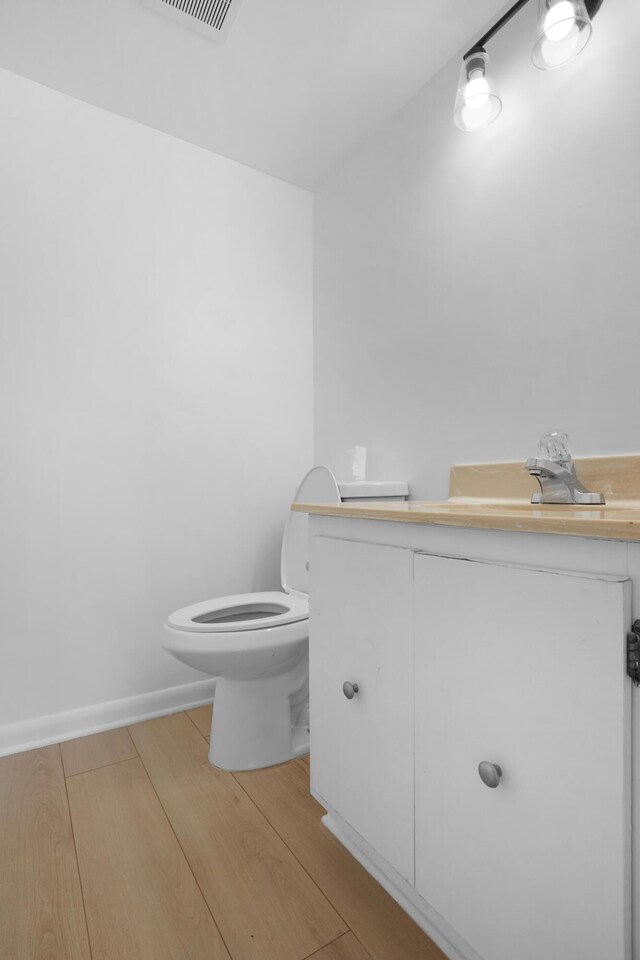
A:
<point x="349" y="689"/>
<point x="490" y="773"/>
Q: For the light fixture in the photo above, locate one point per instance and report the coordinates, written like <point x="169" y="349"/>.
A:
<point x="476" y="104"/>
<point x="563" y="31"/>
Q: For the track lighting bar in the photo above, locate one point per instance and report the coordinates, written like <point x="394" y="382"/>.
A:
<point x="592" y="8"/>
<point x="497" y="27"/>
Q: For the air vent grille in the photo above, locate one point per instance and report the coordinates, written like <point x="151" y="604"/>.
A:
<point x="213" y="18"/>
<point x="211" y="12"/>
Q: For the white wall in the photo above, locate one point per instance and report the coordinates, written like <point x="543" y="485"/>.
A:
<point x="475" y="290"/>
<point x="155" y="392"/>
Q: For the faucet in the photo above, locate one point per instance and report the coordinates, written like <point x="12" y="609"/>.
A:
<point x="556" y="473"/>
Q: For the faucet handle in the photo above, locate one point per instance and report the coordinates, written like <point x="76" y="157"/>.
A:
<point x="555" y="446"/>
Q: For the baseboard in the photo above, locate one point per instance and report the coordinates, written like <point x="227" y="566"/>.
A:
<point x="428" y="919"/>
<point x="42" y="731"/>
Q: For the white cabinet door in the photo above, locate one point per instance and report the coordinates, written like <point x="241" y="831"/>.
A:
<point x="525" y="669"/>
<point x="361" y="631"/>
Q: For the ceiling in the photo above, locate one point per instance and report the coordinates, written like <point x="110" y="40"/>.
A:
<point x="293" y="90"/>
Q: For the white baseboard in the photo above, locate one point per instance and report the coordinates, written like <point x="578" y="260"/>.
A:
<point x="42" y="731"/>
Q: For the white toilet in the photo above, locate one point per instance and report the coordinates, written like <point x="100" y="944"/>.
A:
<point x="257" y="645"/>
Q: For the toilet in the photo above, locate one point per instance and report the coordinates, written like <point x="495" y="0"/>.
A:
<point x="257" y="645"/>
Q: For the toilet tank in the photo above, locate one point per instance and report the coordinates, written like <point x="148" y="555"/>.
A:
<point x="354" y="491"/>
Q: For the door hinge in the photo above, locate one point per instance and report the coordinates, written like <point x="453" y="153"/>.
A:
<point x="633" y="653"/>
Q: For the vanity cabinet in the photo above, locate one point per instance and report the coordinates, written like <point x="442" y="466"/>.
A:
<point x="362" y="748"/>
<point x="523" y="668"/>
<point x="459" y="661"/>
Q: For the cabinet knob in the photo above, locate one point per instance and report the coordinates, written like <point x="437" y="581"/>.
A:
<point x="490" y="773"/>
<point x="349" y="689"/>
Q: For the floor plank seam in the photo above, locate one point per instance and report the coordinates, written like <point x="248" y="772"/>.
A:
<point x="186" y="858"/>
<point x="315" y="953"/>
<point x="112" y="763"/>
<point x="75" y="850"/>
<point x="365" y="949"/>
<point x="367" y="952"/>
<point x="297" y="859"/>
<point x="204" y="737"/>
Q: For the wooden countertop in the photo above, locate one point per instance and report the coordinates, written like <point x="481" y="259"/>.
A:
<point x="619" y="521"/>
<point x="497" y="496"/>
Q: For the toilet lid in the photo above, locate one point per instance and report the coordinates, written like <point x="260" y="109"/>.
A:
<point x="319" y="486"/>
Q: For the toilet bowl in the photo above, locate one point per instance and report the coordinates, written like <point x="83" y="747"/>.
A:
<point x="257" y="646"/>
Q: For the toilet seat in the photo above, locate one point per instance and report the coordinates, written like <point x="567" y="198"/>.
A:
<point x="264" y="611"/>
<point x="240" y="612"/>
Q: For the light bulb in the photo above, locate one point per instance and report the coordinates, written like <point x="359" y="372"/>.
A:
<point x="559" y="21"/>
<point x="475" y="119"/>
<point x="562" y="32"/>
<point x="477" y="103"/>
<point x="476" y="93"/>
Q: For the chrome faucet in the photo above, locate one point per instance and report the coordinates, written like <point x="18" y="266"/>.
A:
<point x="556" y="473"/>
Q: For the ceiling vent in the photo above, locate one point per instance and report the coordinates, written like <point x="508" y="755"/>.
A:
<point x="213" y="18"/>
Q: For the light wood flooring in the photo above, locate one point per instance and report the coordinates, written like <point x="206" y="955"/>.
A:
<point x="129" y="845"/>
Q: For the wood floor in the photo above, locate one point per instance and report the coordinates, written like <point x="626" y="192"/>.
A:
<point x="129" y="845"/>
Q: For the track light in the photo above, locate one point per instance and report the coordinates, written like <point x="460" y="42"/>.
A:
<point x="562" y="32"/>
<point x="476" y="104"/>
